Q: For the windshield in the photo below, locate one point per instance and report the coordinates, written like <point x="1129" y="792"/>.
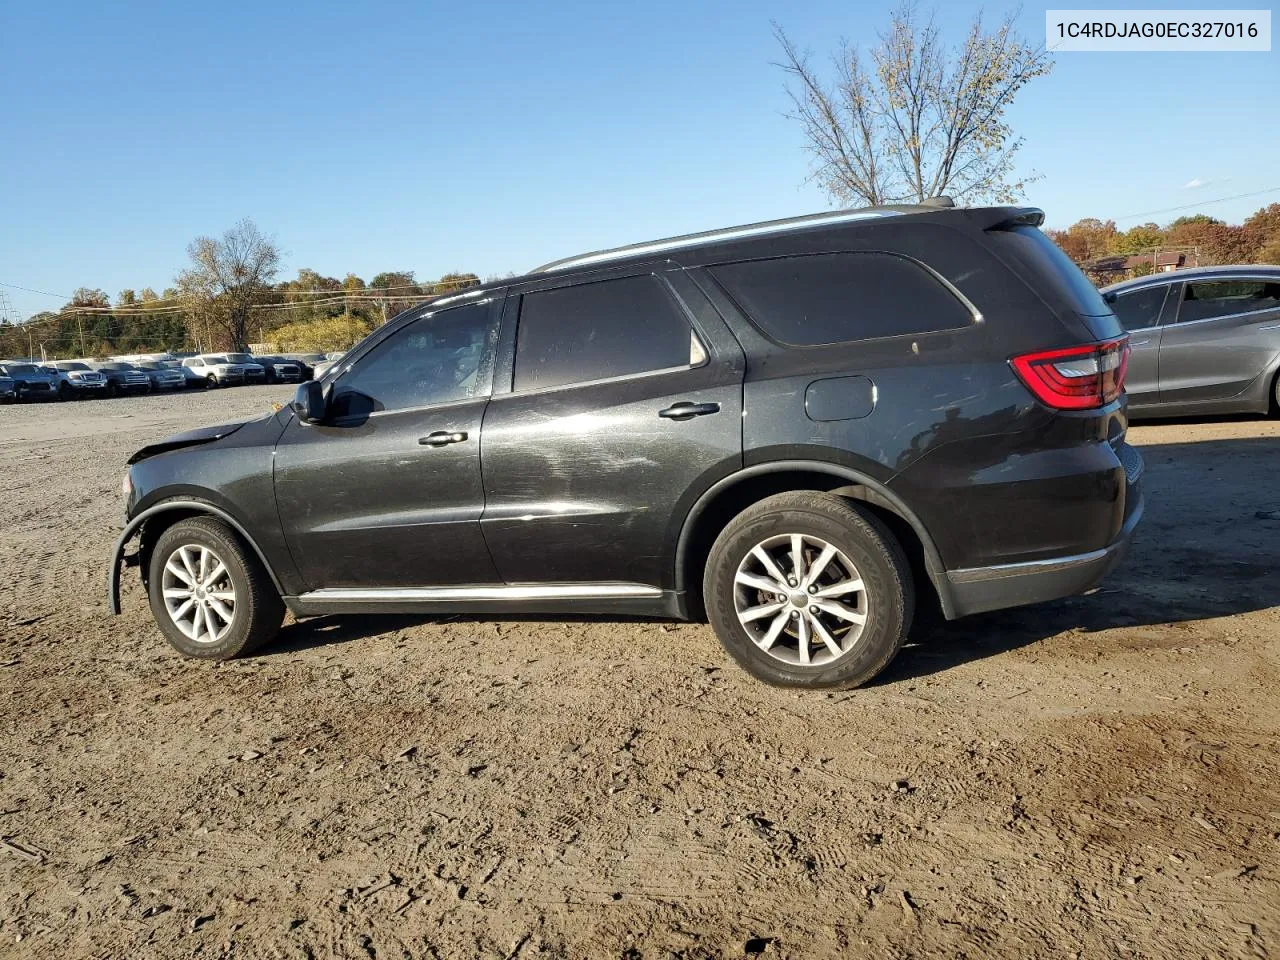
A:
<point x="239" y="358"/>
<point x="212" y="360"/>
<point x="73" y="365"/>
<point x="147" y="365"/>
<point x="114" y="366"/>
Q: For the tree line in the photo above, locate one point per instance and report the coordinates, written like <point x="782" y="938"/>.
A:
<point x="1107" y="253"/>
<point x="227" y="298"/>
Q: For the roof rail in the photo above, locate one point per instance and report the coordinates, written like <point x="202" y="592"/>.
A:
<point x="726" y="233"/>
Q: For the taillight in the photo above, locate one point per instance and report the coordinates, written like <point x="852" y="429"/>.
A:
<point x="1075" y="378"/>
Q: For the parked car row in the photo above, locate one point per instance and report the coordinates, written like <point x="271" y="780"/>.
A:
<point x="146" y="373"/>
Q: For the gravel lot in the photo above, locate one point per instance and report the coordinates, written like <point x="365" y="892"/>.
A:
<point x="1098" y="776"/>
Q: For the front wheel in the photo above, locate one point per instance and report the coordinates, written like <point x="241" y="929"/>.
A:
<point x="806" y="590"/>
<point x="64" y="391"/>
<point x="211" y="382"/>
<point x="210" y="595"/>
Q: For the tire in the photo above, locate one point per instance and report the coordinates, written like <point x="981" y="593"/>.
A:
<point x="211" y="382"/>
<point x="1275" y="396"/>
<point x="246" y="592"/>
<point x="65" y="392"/>
<point x="863" y="553"/>
<point x="113" y="391"/>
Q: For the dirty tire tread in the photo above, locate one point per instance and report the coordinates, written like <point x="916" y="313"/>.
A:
<point x="256" y="595"/>
<point x="873" y="549"/>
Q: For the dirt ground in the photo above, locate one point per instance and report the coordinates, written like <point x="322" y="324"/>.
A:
<point x="1095" y="777"/>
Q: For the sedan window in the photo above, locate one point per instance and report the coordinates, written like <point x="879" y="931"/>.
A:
<point x="1223" y="298"/>
<point x="1141" y="308"/>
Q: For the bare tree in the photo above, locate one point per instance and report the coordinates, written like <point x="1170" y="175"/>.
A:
<point x="226" y="278"/>
<point x="918" y="120"/>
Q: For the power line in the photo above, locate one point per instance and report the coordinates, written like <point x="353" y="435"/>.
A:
<point x="1202" y="203"/>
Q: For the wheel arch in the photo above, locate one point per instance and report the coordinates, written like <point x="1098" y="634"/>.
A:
<point x="731" y="495"/>
<point x="172" y="511"/>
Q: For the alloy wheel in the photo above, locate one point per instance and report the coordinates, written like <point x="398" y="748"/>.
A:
<point x="198" y="593"/>
<point x="800" y="599"/>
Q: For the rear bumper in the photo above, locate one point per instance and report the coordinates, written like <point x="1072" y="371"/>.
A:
<point x="981" y="589"/>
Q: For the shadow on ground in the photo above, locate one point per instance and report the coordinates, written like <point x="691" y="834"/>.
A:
<point x="1206" y="548"/>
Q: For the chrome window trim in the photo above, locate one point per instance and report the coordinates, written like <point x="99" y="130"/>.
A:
<point x="496" y="592"/>
<point x="1225" y="316"/>
<point x="601" y="381"/>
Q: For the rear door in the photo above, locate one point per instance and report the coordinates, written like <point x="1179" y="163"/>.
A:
<point x="625" y="405"/>
<point x="1139" y="313"/>
<point x="386" y="491"/>
<point x="1221" y="340"/>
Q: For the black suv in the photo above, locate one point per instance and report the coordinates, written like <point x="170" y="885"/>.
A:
<point x="802" y="429"/>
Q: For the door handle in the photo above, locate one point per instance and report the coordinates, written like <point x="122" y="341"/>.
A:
<point x="684" y="410"/>
<point x="442" y="438"/>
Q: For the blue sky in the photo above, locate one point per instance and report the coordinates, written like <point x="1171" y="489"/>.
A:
<point x="492" y="137"/>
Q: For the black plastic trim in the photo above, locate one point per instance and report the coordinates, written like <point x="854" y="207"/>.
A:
<point x="135" y="525"/>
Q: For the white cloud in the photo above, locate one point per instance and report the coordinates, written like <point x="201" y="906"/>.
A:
<point x="1196" y="184"/>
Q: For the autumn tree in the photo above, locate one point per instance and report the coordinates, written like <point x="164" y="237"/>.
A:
<point x="1140" y="239"/>
<point x="453" y="282"/>
<point x="227" y="277"/>
<point x="391" y="287"/>
<point x="911" y="118"/>
<point x="1086" y="239"/>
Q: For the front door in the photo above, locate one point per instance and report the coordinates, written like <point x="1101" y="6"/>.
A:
<point x="626" y="405"/>
<point x="386" y="491"/>
<point x="1220" y="342"/>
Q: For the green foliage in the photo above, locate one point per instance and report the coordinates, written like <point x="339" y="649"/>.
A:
<point x="320" y="335"/>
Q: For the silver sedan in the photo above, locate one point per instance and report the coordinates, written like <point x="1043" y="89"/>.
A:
<point x="1204" y="340"/>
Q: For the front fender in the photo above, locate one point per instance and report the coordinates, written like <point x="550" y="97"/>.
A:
<point x="134" y="526"/>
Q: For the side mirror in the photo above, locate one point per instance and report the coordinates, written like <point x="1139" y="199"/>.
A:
<point x="1110" y="297"/>
<point x="308" y="401"/>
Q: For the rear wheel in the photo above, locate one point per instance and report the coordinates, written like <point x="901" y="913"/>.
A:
<point x="806" y="590"/>
<point x="210" y="595"/>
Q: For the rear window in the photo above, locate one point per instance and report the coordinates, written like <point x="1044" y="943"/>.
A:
<point x="1042" y="261"/>
<point x="838" y="297"/>
<point x="1141" y="308"/>
<point x="1226" y="298"/>
<point x="611" y="328"/>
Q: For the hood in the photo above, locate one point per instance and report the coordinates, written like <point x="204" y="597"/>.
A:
<point x="191" y="438"/>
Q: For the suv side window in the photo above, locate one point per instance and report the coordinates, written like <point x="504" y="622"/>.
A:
<point x="1141" y="308"/>
<point x="437" y="358"/>
<point x="1205" y="300"/>
<point x="839" y="297"/>
<point x="593" y="331"/>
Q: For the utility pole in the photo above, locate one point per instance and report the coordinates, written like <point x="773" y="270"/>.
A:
<point x="80" y="325"/>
